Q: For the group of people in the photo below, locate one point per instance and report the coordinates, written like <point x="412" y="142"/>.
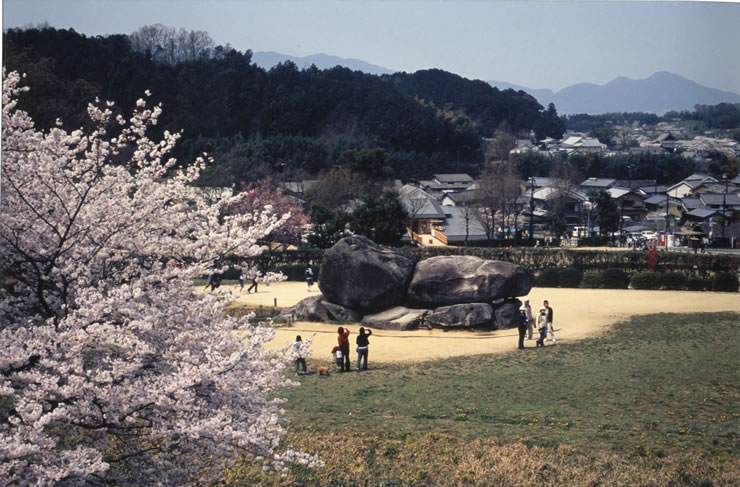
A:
<point x="543" y="320"/>
<point x="339" y="352"/>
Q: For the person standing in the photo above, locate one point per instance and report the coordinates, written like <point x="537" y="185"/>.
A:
<point x="343" y="341"/>
<point x="550" y="330"/>
<point x="530" y="319"/>
<point x="309" y="277"/>
<point x="362" y="347"/>
<point x="300" y="355"/>
<point x="542" y="327"/>
<point x="522" y="327"/>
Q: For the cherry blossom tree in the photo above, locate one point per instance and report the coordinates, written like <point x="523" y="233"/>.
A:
<point x="263" y="192"/>
<point x="114" y="369"/>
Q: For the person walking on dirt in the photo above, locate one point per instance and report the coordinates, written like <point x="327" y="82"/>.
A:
<point x="343" y="340"/>
<point x="214" y="281"/>
<point x="522" y="327"/>
<point x="362" y="347"/>
<point x="530" y="319"/>
<point x="542" y="327"/>
<point x="550" y="330"/>
<point x="253" y="286"/>
<point x="309" y="277"/>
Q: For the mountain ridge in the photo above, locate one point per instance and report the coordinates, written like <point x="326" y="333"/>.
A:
<point x="661" y="92"/>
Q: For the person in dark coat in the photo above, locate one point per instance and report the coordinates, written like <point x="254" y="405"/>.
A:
<point x="362" y="347"/>
<point x="550" y="329"/>
<point x="309" y="278"/>
<point x="522" y="327"/>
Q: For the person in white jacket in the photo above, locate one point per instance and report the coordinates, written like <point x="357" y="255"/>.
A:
<point x="542" y="327"/>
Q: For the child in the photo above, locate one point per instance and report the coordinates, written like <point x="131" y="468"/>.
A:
<point x="542" y="325"/>
<point x="300" y="355"/>
<point x="336" y="354"/>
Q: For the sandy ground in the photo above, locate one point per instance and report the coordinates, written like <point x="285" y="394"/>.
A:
<point x="578" y="313"/>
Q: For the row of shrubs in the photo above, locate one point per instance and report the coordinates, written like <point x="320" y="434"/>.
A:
<point x="628" y="260"/>
<point x="614" y="278"/>
<point x="536" y="259"/>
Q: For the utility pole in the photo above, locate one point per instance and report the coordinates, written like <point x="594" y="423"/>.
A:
<point x="531" y="208"/>
<point x="621" y="218"/>
<point x="667" y="200"/>
<point x="724" y="208"/>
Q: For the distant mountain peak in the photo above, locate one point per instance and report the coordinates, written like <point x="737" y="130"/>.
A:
<point x="659" y="93"/>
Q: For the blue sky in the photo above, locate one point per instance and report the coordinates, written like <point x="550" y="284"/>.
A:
<point x="532" y="43"/>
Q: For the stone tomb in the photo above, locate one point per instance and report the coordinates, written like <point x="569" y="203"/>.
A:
<point x="382" y="288"/>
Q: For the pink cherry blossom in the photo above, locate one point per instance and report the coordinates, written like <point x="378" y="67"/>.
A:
<point x="114" y="368"/>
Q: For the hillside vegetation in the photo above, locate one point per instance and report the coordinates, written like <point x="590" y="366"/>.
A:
<point x="283" y="120"/>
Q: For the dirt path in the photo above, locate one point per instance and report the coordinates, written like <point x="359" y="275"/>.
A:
<point x="578" y="313"/>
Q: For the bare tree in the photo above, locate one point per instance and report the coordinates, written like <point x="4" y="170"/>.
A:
<point x="468" y="215"/>
<point x="498" y="191"/>
<point x="167" y="45"/>
<point x="564" y="179"/>
<point x="413" y="200"/>
<point x="502" y="142"/>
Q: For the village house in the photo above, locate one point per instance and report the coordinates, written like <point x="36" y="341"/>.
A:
<point x="447" y="183"/>
<point x="630" y="203"/>
<point x="594" y="185"/>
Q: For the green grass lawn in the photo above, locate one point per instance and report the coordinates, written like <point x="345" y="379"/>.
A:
<point x="652" y="386"/>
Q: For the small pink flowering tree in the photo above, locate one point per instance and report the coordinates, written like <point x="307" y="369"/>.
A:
<point x="263" y="193"/>
<point x="113" y="369"/>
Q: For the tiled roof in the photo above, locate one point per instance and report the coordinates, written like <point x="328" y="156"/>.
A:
<point x="451" y="178"/>
<point x="702" y="212"/>
<point x="598" y="182"/>
<point x="691" y="203"/>
<point x="617" y="192"/>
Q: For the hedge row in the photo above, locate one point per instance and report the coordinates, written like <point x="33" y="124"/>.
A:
<point x="583" y="266"/>
<point x="618" y="279"/>
<point x="628" y="260"/>
<point x="536" y="259"/>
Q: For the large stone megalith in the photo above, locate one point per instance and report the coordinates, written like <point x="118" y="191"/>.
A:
<point x="449" y="280"/>
<point x="358" y="273"/>
<point x="469" y="315"/>
<point x="317" y="308"/>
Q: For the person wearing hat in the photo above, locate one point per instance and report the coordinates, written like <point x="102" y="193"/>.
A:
<point x="530" y="319"/>
<point x="542" y="327"/>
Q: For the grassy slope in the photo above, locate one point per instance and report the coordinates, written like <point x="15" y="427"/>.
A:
<point x="660" y="390"/>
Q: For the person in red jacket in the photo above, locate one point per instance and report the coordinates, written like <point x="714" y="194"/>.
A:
<point x="343" y="340"/>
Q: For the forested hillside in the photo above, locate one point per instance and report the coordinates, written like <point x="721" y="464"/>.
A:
<point x="478" y="104"/>
<point x="285" y="121"/>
